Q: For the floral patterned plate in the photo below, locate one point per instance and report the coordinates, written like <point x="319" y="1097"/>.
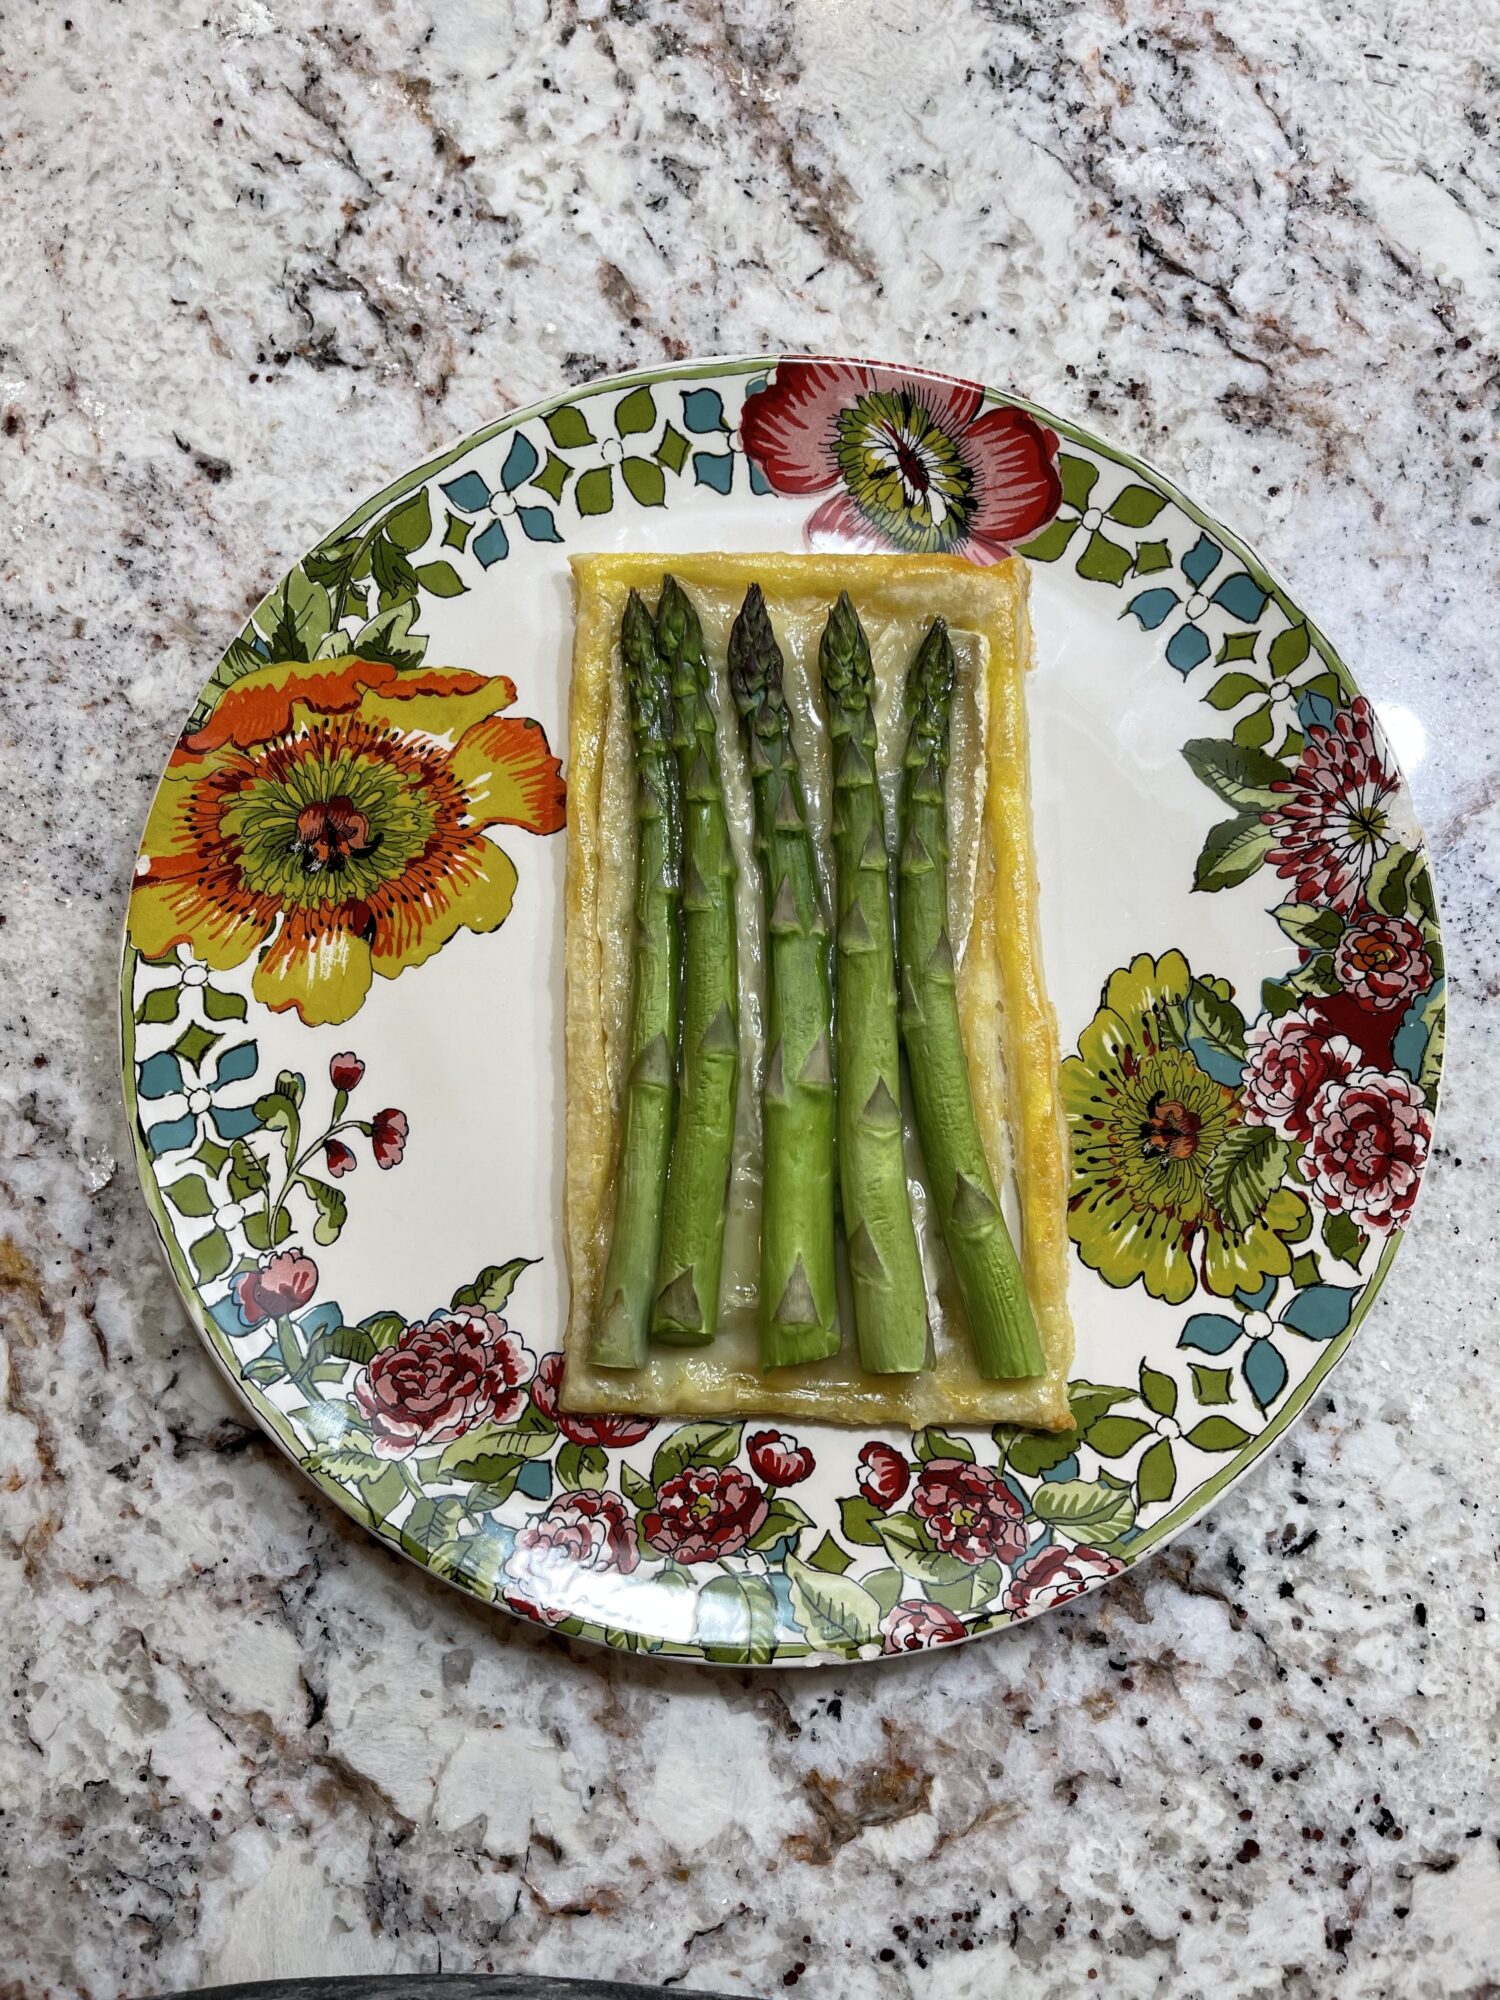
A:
<point x="342" y="1011"/>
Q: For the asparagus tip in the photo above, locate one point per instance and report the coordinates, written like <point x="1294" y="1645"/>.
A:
<point x="755" y="662"/>
<point x="677" y="629"/>
<point x="844" y="651"/>
<point x="934" y="669"/>
<point x="635" y="613"/>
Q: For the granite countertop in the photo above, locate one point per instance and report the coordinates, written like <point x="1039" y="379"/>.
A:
<point x="259" y="259"/>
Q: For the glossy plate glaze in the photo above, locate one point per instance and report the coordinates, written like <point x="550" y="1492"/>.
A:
<point x="343" y="1042"/>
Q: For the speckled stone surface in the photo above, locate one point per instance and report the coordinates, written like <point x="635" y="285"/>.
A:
<point x="259" y="258"/>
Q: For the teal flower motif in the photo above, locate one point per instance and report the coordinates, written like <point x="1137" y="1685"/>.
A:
<point x="1316" y="1312"/>
<point x="703" y="416"/>
<point x="703" y="411"/>
<point x="185" y="1102"/>
<point x="1189" y="646"/>
<point x="471" y="493"/>
<point x="484" y="518"/>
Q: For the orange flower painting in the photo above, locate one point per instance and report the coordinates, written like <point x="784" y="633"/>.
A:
<point x="333" y="817"/>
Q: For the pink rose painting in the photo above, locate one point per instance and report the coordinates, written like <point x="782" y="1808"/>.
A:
<point x="1289" y="1062"/>
<point x="579" y="1534"/>
<point x="913" y="1625"/>
<point x="1382" y="962"/>
<point x="970" y="1512"/>
<point x="1052" y="1575"/>
<point x="610" y="1431"/>
<point x="284" y="1283"/>
<point x="1369" y="1145"/>
<point x="441" y="1378"/>
<point x="703" y="1514"/>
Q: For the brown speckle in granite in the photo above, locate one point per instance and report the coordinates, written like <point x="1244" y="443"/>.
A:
<point x="893" y="1789"/>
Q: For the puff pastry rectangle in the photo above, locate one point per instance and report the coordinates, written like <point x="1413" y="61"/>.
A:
<point x="1009" y="1031"/>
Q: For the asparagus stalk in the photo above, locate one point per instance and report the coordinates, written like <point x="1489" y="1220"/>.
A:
<point x="692" y="1239"/>
<point x="798" y="1289"/>
<point x="890" y="1305"/>
<point x="621" y="1333"/>
<point x="985" y="1267"/>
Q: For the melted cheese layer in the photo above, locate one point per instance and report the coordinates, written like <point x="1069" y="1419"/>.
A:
<point x="1009" y="1032"/>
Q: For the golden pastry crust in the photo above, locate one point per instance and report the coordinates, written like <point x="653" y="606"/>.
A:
<point x="1008" y="1026"/>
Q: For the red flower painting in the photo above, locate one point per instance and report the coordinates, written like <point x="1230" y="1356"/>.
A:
<point x="1052" y="1575"/>
<point x="970" y="1512"/>
<point x="579" y="1532"/>
<point x="884" y="1474"/>
<point x="912" y="1625"/>
<point x="442" y="1377"/>
<point x="283" y="1284"/>
<point x="1289" y="1062"/>
<point x="703" y="1514"/>
<point x="778" y="1459"/>
<point x="1332" y="821"/>
<point x="909" y="461"/>
<point x="1382" y="962"/>
<point x="1369" y="1145"/>
<point x="613" y="1432"/>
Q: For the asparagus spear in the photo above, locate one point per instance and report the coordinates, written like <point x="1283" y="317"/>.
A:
<point x="1001" y="1323"/>
<point x="646" y="1116"/>
<point x="798" y="1292"/>
<point x="692" y="1239"/>
<point x="890" y="1306"/>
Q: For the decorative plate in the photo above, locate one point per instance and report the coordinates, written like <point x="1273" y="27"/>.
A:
<point x="342" y="1013"/>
